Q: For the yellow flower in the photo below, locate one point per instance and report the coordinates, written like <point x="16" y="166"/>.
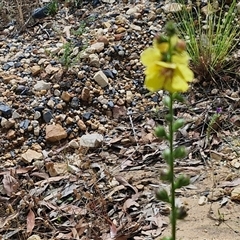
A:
<point x="173" y="76"/>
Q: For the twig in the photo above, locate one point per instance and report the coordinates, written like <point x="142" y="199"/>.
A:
<point x="129" y="113"/>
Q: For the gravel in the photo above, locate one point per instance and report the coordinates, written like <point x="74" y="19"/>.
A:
<point x="79" y="70"/>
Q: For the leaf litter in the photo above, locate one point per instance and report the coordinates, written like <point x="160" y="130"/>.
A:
<point x="108" y="192"/>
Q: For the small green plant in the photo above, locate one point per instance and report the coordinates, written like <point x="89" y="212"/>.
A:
<point x="166" y="65"/>
<point x="73" y="3"/>
<point x="213" y="121"/>
<point x="81" y="29"/>
<point x="66" y="59"/>
<point x="53" y="8"/>
<point x="210" y="36"/>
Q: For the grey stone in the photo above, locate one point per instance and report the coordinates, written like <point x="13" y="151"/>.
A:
<point x="91" y="140"/>
<point x="41" y="85"/>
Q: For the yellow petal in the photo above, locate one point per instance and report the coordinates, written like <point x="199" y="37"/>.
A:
<point x="166" y="65"/>
<point x="153" y="81"/>
<point x="179" y="84"/>
<point x="181" y="58"/>
<point x="149" y="56"/>
<point x="184" y="72"/>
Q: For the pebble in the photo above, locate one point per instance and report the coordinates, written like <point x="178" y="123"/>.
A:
<point x="94" y="60"/>
<point x="202" y="200"/>
<point x="35" y="70"/>
<point x="42" y="85"/>
<point x="34" y="237"/>
<point x="7" y="123"/>
<point x="15" y="115"/>
<point x="31" y="155"/>
<point x="66" y="96"/>
<point x="5" y="110"/>
<point x="75" y="103"/>
<point x="101" y="79"/>
<point x="96" y="47"/>
<point x="47" y="116"/>
<point x="91" y="140"/>
<point x="55" y="133"/>
<point x="85" y="94"/>
<point x="74" y="144"/>
<point x="81" y="125"/>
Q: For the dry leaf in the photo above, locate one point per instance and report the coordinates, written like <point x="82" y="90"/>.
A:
<point x="113" y="231"/>
<point x="124" y="182"/>
<point x="129" y="203"/>
<point x="4" y="221"/>
<point x="66" y="30"/>
<point x="10" y="184"/>
<point x="30" y="221"/>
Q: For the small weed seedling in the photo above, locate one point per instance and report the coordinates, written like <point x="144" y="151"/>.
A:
<point x="66" y="59"/>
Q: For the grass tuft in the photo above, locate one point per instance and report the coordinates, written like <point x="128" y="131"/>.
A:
<point x="211" y="36"/>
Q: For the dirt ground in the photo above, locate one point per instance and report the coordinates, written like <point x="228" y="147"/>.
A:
<point x="212" y="221"/>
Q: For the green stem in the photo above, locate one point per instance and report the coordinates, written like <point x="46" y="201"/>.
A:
<point x="171" y="162"/>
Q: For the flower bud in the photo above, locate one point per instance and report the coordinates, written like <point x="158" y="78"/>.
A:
<point x="161" y="39"/>
<point x="160" y="132"/>
<point x="171" y="29"/>
<point x="181" y="181"/>
<point x="179" y="152"/>
<point x="178" y="124"/>
<point x="166" y="155"/>
<point x="162" y="195"/>
<point x="166" y="175"/>
<point x="180" y="46"/>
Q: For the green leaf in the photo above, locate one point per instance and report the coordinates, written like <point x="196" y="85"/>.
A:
<point x="181" y="181"/>
<point x="179" y="152"/>
<point x="162" y="195"/>
<point x="178" y="124"/>
<point x="177" y="96"/>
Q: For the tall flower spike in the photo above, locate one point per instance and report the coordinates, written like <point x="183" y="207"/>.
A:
<point x="171" y="74"/>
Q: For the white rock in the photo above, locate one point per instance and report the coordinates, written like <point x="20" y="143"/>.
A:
<point x="15" y="115"/>
<point x="101" y="79"/>
<point x="172" y="7"/>
<point x="37" y="115"/>
<point x="81" y="74"/>
<point x="51" y="103"/>
<point x="34" y="237"/>
<point x="135" y="27"/>
<point x="41" y="85"/>
<point x="129" y="96"/>
<point x="131" y="11"/>
<point x="91" y="140"/>
<point x="202" y="201"/>
<point x="108" y="1"/>
<point x="73" y="144"/>
<point x="36" y="131"/>
<point x="94" y="60"/>
<point x="97" y="47"/>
